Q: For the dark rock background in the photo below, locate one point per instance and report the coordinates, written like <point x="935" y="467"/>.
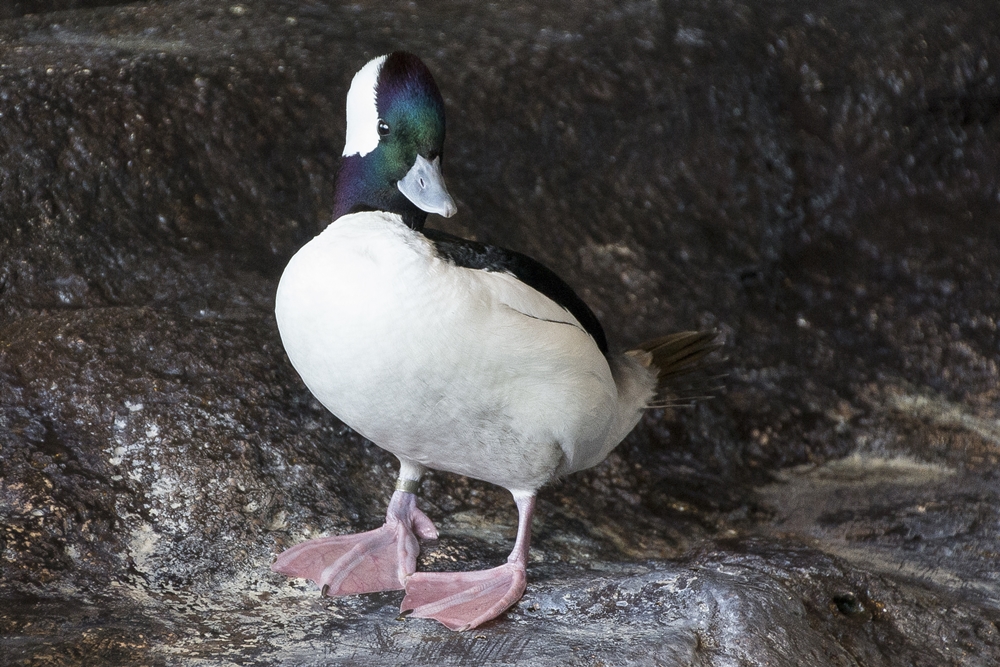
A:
<point x="820" y="181"/>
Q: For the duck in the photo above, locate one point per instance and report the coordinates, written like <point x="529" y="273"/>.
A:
<point x="452" y="354"/>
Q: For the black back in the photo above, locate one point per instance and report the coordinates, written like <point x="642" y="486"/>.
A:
<point x="485" y="257"/>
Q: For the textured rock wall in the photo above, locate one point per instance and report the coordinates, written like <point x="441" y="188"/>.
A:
<point x="818" y="181"/>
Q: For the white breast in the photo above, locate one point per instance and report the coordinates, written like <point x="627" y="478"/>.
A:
<point x="457" y="369"/>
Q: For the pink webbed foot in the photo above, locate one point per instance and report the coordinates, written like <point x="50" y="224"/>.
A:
<point x="464" y="600"/>
<point x="378" y="560"/>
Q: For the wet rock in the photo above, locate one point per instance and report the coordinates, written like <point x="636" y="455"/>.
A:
<point x="820" y="182"/>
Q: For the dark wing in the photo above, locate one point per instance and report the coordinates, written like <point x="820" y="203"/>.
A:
<point x="474" y="255"/>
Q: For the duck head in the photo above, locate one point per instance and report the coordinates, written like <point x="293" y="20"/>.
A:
<point x="395" y="137"/>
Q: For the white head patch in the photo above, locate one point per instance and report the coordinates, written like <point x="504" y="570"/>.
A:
<point x="362" y="114"/>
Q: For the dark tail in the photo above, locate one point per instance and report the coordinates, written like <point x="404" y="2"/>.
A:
<point x="681" y="362"/>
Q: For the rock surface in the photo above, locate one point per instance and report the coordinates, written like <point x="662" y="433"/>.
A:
<point x="819" y="181"/>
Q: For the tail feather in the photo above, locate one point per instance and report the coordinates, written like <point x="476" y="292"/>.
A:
<point x="681" y="362"/>
<point x="665" y="372"/>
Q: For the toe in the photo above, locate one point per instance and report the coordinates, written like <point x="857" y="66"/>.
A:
<point x="422" y="526"/>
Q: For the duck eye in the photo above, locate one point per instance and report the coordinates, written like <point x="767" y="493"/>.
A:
<point x="383" y="128"/>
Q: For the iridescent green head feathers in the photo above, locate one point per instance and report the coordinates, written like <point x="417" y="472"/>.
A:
<point x="395" y="138"/>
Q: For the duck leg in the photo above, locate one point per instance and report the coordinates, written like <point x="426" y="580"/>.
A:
<point x="378" y="560"/>
<point x="465" y="600"/>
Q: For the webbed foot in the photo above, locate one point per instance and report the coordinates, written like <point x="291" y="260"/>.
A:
<point x="378" y="560"/>
<point x="464" y="600"/>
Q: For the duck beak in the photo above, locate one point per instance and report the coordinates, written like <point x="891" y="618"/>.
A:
<point x="424" y="186"/>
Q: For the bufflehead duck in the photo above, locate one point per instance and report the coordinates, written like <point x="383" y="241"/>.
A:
<point x="451" y="354"/>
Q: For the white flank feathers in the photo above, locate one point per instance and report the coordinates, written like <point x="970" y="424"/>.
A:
<point x="451" y="368"/>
